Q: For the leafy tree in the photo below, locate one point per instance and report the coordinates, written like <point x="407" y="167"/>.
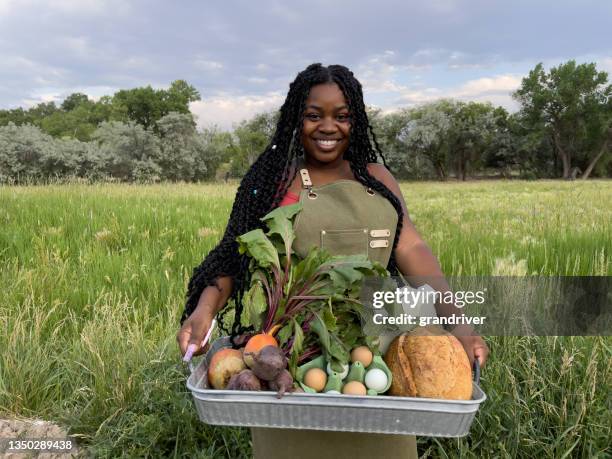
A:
<point x="146" y="106"/>
<point x="179" y="95"/>
<point x="428" y="132"/>
<point x="250" y="138"/>
<point x="474" y="128"/>
<point x="184" y="152"/>
<point x="73" y="101"/>
<point x="87" y="160"/>
<point x="526" y="148"/>
<point x="128" y="151"/>
<point x="217" y="150"/>
<point x="79" y="123"/>
<point x="16" y="116"/>
<point x="27" y="153"/>
<point x="387" y="128"/>
<point x="572" y="104"/>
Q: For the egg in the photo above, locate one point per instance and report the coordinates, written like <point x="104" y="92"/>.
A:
<point x="354" y="388"/>
<point x="342" y="374"/>
<point x="333" y="392"/>
<point x="376" y="380"/>
<point x="362" y="354"/>
<point x="316" y="379"/>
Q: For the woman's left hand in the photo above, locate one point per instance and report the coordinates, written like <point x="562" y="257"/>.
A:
<point x="474" y="345"/>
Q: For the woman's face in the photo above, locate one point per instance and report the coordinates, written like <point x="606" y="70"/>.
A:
<point x="327" y="124"/>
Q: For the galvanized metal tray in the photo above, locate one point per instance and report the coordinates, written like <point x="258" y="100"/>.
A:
<point x="349" y="413"/>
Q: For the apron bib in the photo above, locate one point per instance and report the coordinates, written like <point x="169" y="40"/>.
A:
<point x="346" y="218"/>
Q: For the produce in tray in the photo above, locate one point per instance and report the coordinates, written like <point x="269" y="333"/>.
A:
<point x="306" y="334"/>
<point x="267" y="368"/>
<point x="309" y="306"/>
<point x="223" y="365"/>
<point x="375" y="379"/>
<point x="429" y="362"/>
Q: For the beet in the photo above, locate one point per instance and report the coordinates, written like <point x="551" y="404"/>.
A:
<point x="245" y="380"/>
<point x="283" y="383"/>
<point x="268" y="363"/>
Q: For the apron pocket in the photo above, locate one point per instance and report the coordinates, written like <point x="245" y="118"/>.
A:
<point x="345" y="242"/>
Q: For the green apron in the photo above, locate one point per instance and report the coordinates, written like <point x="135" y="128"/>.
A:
<point x="345" y="218"/>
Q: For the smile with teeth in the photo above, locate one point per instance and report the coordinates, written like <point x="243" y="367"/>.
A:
<point x="326" y="144"/>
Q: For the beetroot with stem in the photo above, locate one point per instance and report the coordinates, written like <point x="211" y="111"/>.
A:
<point x="268" y="363"/>
<point x="283" y="383"/>
<point x="245" y="380"/>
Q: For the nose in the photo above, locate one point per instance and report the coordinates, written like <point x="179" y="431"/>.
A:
<point x="328" y="125"/>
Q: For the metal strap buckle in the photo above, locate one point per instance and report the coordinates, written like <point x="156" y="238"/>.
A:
<point x="306" y="182"/>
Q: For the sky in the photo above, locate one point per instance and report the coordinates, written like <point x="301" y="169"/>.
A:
<point x="242" y="55"/>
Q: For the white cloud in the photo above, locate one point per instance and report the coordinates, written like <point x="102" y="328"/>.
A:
<point x="208" y="65"/>
<point x="496" y="90"/>
<point x="224" y="110"/>
<point x="57" y="95"/>
<point x="605" y="65"/>
<point x="40" y="98"/>
<point x="482" y="86"/>
<point x="6" y="5"/>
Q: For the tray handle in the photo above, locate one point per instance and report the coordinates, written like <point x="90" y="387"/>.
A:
<point x="476" y="367"/>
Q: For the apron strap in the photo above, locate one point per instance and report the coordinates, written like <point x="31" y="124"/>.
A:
<point x="307" y="184"/>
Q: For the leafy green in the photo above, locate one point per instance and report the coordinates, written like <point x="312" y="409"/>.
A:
<point x="259" y="247"/>
<point x="255" y="306"/>
<point x="312" y="302"/>
<point x="279" y="222"/>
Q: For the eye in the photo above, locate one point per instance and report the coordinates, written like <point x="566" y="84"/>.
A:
<point x="312" y="116"/>
<point x="344" y="117"/>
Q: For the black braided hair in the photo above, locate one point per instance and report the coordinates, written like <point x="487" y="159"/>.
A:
<point x="268" y="179"/>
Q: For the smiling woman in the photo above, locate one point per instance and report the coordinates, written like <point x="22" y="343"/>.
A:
<point x="347" y="199"/>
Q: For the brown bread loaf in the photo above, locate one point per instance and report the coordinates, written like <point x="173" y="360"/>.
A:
<point x="429" y="362"/>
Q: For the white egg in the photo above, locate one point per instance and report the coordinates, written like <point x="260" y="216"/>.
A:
<point x="376" y="379"/>
<point x="332" y="392"/>
<point x="345" y="370"/>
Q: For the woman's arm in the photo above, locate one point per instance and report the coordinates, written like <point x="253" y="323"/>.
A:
<point x="415" y="258"/>
<point x="212" y="299"/>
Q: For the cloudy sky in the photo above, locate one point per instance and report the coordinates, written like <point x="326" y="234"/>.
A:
<point x="242" y="55"/>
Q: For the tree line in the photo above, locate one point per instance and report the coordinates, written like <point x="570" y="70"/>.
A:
<point x="563" y="129"/>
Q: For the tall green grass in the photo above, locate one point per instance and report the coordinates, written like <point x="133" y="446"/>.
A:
<point x="92" y="283"/>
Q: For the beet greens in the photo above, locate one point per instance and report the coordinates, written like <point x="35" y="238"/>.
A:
<point x="311" y="303"/>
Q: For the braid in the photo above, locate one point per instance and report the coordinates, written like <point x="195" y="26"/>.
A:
<point x="268" y="179"/>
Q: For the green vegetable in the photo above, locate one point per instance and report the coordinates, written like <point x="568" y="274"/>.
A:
<point x="295" y="296"/>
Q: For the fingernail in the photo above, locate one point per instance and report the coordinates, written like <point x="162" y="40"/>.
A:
<point x="190" y="350"/>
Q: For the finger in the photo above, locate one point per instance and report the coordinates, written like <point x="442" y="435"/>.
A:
<point x="470" y="353"/>
<point x="481" y="354"/>
<point x="198" y="331"/>
<point x="183" y="338"/>
<point x="201" y="350"/>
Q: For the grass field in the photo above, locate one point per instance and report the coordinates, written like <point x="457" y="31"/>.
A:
<point x="92" y="282"/>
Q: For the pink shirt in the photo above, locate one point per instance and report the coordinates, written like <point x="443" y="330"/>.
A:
<point x="290" y="198"/>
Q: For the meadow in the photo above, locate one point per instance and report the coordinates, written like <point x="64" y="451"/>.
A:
<point x="92" y="284"/>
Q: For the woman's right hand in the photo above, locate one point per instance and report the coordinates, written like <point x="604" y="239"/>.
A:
<point x="194" y="330"/>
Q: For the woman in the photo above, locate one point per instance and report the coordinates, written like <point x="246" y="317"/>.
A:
<point x="323" y="129"/>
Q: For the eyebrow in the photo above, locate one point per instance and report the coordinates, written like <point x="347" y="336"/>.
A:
<point x="316" y="107"/>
